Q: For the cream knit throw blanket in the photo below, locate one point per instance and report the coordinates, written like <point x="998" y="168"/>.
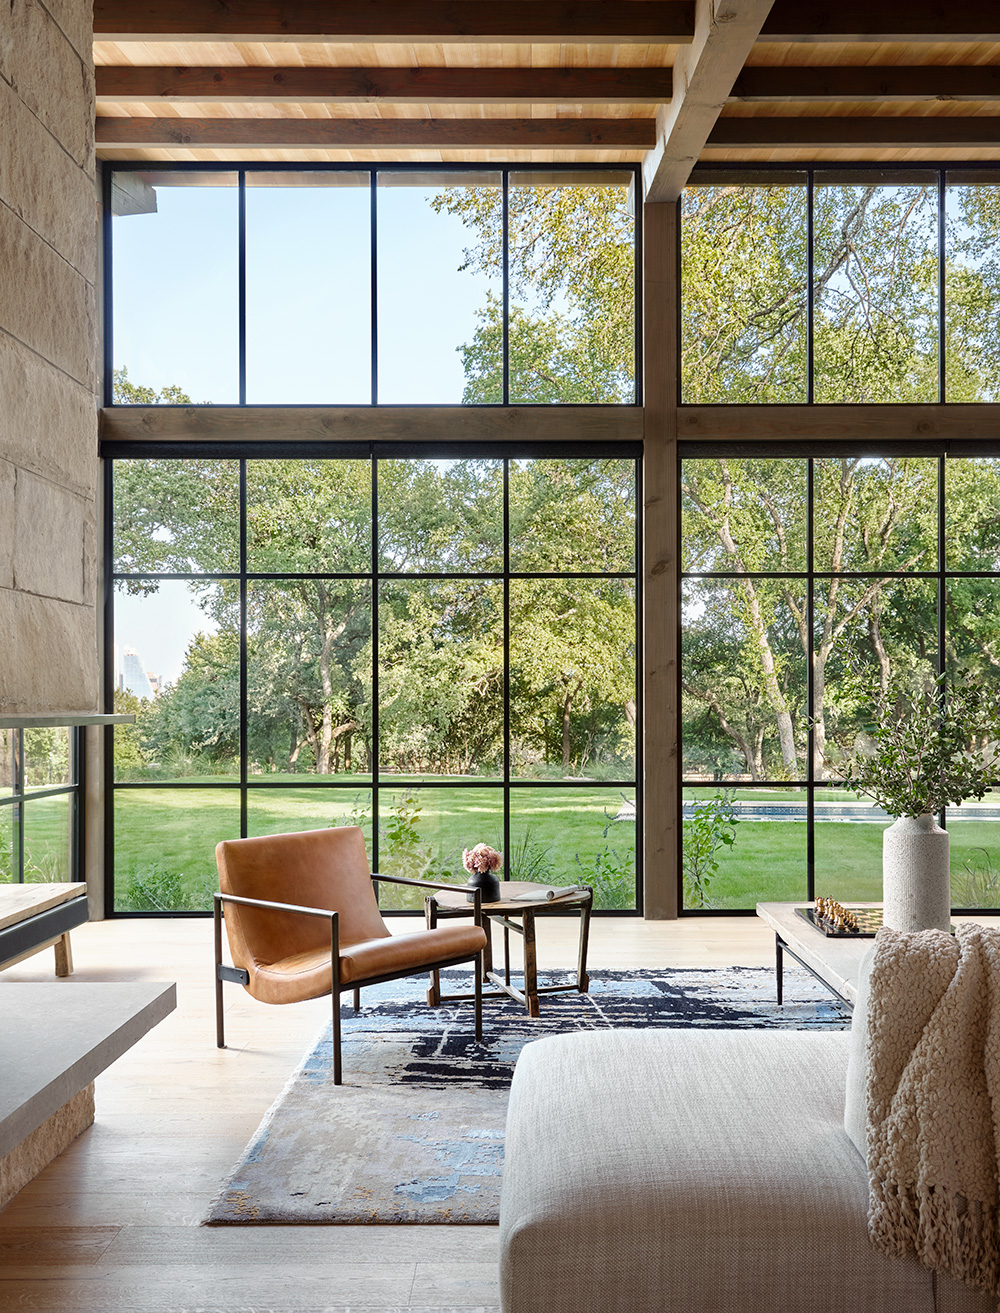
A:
<point x="933" y="1100"/>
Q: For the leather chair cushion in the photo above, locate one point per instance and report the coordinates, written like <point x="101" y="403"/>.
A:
<point x="307" y="974"/>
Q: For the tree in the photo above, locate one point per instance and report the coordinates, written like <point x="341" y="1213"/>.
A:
<point x="571" y="279"/>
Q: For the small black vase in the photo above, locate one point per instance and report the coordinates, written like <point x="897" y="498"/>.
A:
<point x="488" y="885"/>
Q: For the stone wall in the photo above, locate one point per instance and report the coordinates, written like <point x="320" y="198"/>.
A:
<point x="48" y="358"/>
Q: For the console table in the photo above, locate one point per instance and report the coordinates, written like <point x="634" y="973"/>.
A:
<point x="833" y="961"/>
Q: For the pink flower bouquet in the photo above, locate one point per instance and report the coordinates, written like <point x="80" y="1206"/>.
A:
<point x="481" y="859"/>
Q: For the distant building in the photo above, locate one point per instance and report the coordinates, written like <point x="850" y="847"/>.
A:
<point x="133" y="677"/>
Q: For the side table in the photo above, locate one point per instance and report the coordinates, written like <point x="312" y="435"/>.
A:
<point x="517" y="915"/>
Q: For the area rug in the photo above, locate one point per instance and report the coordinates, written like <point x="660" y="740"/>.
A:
<point x="415" y="1133"/>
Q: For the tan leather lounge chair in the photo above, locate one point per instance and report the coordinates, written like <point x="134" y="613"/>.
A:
<point x="302" y="921"/>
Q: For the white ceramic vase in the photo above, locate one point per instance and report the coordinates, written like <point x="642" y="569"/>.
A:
<point x="916" y="878"/>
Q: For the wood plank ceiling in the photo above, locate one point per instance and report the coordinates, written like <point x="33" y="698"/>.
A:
<point x="662" y="82"/>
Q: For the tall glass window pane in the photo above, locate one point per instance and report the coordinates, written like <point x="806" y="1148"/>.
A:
<point x="744" y="305"/>
<point x="441" y="678"/>
<point x="176" y="516"/>
<point x="440" y="300"/>
<point x="972" y="287"/>
<point x="584" y="836"/>
<point x="440" y="516"/>
<point x="165" y="847"/>
<point x="744" y="681"/>
<point x="309" y="516"/>
<point x="572" y="515"/>
<point x="48" y="839"/>
<point x="46" y="758"/>
<point x="177" y="671"/>
<point x="572" y="663"/>
<point x="849" y="828"/>
<point x="743" y="516"/>
<point x="740" y="847"/>
<point x="176" y="293"/>
<point x="422" y="833"/>
<point x="972" y="514"/>
<point x="974" y="850"/>
<point x="572" y="301"/>
<point x="9" y="844"/>
<point x="875" y="272"/>
<point x="872" y="514"/>
<point x="308" y="288"/>
<point x="308" y="677"/>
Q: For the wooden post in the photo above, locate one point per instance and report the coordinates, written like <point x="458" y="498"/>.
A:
<point x="661" y="599"/>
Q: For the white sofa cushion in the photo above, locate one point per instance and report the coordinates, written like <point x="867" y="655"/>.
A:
<point x="692" y="1171"/>
<point x="855" y="1119"/>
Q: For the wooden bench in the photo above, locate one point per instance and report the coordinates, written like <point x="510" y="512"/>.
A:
<point x="38" y="916"/>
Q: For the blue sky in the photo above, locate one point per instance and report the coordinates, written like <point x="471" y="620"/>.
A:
<point x="308" y="295"/>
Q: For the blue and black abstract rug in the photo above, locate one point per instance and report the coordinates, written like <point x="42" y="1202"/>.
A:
<point x="415" y="1133"/>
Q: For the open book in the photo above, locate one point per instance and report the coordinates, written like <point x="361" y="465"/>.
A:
<point x="546" y="892"/>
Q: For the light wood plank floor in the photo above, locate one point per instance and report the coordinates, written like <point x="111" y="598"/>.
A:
<point x="112" y="1225"/>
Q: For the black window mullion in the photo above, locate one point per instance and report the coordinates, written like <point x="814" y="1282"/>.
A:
<point x="505" y="239"/>
<point x="810" y="689"/>
<point x="373" y="256"/>
<point x="506" y="652"/>
<point x="244" y="680"/>
<point x="810" y="289"/>
<point x="942" y="360"/>
<point x="242" y="283"/>
<point x="19" y="806"/>
<point x="941" y="590"/>
<point x="375" y="585"/>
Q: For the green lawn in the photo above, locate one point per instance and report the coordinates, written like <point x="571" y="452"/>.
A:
<point x="767" y="863"/>
<point x="165" y="843"/>
<point x="165" y="839"/>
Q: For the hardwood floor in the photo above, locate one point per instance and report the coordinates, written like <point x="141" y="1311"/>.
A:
<point x="112" y="1225"/>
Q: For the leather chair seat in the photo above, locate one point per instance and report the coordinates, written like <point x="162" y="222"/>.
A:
<point x="308" y="974"/>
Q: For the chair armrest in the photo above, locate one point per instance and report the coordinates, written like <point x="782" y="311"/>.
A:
<point x="275" y="907"/>
<point x="419" y="884"/>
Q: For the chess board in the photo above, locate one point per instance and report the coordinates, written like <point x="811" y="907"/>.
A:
<point x="869" y="921"/>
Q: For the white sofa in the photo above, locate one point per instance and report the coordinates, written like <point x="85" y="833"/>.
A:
<point x="694" y="1171"/>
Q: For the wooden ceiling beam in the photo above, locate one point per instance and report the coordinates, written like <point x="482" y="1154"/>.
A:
<point x="814" y="21"/>
<point x="486" y="134"/>
<point x="704" y="73"/>
<point x="921" y="82"/>
<point x="833" y="132"/>
<point x="402" y="86"/>
<point x="618" y="22"/>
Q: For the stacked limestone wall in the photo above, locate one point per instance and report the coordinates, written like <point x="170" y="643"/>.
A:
<point x="48" y="379"/>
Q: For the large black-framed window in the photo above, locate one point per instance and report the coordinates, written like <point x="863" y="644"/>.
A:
<point x="41" y="814"/>
<point x="267" y="284"/>
<point x="844" y="284"/>
<point x="808" y="572"/>
<point x="438" y="643"/>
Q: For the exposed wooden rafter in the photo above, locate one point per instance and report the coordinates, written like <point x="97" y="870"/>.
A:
<point x="304" y="86"/>
<point x="486" y="134"/>
<point x="888" y="20"/>
<point x="845" y="132"/>
<point x="879" y="83"/>
<point x="704" y="73"/>
<point x="592" y="21"/>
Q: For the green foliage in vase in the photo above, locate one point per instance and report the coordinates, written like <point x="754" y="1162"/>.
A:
<point x="927" y="747"/>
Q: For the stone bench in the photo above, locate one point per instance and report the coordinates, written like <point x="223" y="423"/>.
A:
<point x="37" y="916"/>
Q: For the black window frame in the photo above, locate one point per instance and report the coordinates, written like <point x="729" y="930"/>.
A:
<point x="373" y="451"/>
<point x="241" y="169"/>
<point x="808" y="176"/>
<point x="809" y="451"/>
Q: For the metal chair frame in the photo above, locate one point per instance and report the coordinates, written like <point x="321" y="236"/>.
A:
<point x="240" y="976"/>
